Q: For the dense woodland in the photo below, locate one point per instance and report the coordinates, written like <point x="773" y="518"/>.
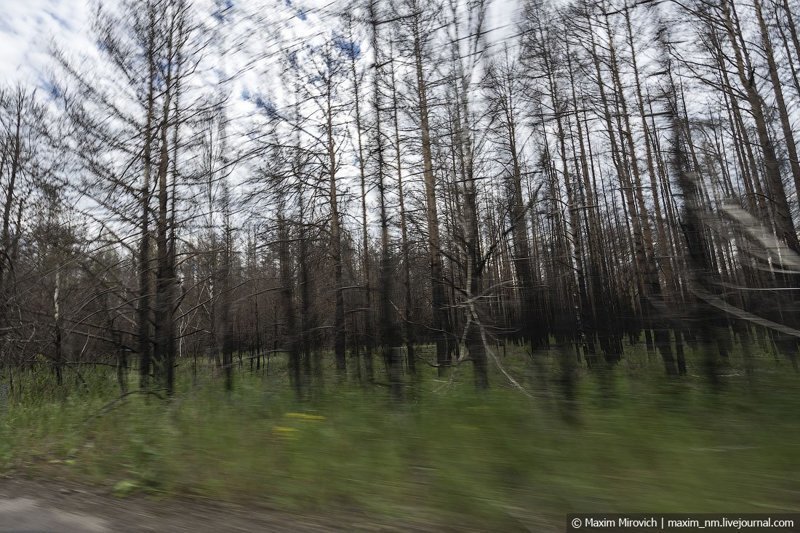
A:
<point x="411" y="186"/>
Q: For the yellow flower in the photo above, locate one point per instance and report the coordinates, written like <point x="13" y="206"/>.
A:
<point x="305" y="416"/>
<point x="284" y="431"/>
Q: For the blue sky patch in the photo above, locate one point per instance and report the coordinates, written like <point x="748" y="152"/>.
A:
<point x="349" y="48"/>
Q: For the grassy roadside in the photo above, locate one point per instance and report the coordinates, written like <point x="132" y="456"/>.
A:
<point x="451" y="454"/>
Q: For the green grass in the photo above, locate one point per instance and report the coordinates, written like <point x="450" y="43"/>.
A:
<point x="450" y="454"/>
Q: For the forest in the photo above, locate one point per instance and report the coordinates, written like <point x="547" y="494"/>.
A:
<point x="482" y="256"/>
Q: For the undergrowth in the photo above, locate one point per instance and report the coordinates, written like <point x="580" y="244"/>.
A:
<point x="634" y="441"/>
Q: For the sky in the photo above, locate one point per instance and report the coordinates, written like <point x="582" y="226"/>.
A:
<point x="29" y="27"/>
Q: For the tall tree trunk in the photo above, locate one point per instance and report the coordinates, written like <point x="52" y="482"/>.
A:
<point x="439" y="312"/>
<point x="408" y="327"/>
<point x="650" y="272"/>
<point x="287" y="300"/>
<point x="783" y="114"/>
<point x="388" y="331"/>
<point x="164" y="312"/>
<point x="367" y="314"/>
<point x="783" y="218"/>
<point x="336" y="243"/>
<point x="143" y="310"/>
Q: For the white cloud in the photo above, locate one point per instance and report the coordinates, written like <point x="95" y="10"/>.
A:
<point x="29" y="27"/>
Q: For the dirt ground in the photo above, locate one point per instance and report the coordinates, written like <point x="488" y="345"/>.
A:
<point x="28" y="505"/>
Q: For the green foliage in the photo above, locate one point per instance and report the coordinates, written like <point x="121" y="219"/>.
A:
<point x="125" y="487"/>
<point x="636" y="442"/>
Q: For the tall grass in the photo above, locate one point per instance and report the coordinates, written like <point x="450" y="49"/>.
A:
<point x="635" y="442"/>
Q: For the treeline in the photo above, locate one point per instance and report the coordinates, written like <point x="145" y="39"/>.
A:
<point x="408" y="186"/>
